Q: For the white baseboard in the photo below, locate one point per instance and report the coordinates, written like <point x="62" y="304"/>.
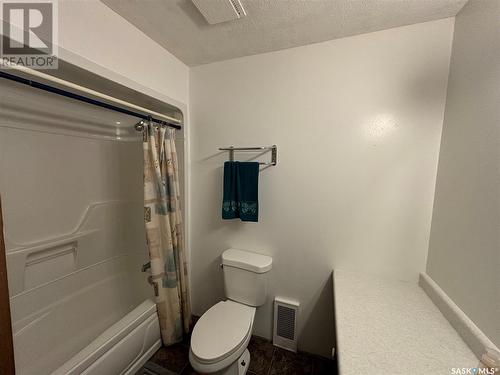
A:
<point x="470" y="333"/>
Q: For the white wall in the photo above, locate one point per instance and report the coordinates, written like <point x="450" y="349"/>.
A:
<point x="464" y="251"/>
<point x="91" y="30"/>
<point x="357" y="122"/>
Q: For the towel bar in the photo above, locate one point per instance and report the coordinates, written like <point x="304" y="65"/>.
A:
<point x="273" y="148"/>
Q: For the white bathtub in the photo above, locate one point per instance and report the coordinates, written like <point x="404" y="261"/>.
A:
<point x="121" y="349"/>
<point x="101" y="328"/>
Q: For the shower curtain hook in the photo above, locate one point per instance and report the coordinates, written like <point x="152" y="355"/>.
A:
<point x="150" y="120"/>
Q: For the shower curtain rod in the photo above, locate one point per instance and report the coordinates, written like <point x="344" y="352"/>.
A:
<point x="170" y="121"/>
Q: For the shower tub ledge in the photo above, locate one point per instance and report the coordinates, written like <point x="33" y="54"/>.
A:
<point x="121" y="349"/>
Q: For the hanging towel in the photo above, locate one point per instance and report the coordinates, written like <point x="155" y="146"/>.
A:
<point x="241" y="186"/>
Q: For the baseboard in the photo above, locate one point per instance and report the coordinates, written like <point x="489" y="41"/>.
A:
<point x="470" y="333"/>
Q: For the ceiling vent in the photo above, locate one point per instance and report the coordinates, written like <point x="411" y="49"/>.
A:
<point x="217" y="11"/>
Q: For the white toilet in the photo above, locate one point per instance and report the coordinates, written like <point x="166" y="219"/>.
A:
<point x="220" y="338"/>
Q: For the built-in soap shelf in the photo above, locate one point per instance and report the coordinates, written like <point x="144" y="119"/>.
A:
<point x="33" y="266"/>
<point x="106" y="230"/>
<point x="49" y="263"/>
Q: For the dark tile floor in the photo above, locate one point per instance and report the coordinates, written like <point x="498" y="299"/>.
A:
<point x="265" y="360"/>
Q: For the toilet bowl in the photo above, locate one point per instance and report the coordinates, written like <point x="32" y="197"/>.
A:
<point x="220" y="337"/>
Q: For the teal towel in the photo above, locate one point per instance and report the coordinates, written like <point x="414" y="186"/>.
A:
<point x="241" y="187"/>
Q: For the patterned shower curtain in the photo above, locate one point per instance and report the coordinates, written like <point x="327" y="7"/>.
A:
<point x="164" y="231"/>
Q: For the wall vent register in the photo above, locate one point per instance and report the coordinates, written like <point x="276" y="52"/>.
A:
<point x="285" y="323"/>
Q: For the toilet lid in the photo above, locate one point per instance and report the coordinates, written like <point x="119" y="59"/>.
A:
<point x="221" y="331"/>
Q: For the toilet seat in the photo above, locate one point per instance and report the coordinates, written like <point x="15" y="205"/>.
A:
<point x="221" y="335"/>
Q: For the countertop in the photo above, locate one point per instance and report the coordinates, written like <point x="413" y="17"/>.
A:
<point x="392" y="327"/>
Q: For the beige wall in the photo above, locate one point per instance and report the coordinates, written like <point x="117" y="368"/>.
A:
<point x="357" y="122"/>
<point x="464" y="251"/>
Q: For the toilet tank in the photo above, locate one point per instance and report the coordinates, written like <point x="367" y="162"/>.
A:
<point x="245" y="276"/>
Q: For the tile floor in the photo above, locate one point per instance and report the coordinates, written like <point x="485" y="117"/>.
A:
<point x="265" y="360"/>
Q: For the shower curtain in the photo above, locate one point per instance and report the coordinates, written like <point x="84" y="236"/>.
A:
<point x="164" y="231"/>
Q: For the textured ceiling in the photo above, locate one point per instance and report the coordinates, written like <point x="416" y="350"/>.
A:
<point x="271" y="24"/>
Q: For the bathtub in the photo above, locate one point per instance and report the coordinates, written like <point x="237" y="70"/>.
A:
<point x="121" y="349"/>
<point x="100" y="327"/>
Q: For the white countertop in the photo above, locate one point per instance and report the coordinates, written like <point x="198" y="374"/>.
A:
<point x="392" y="327"/>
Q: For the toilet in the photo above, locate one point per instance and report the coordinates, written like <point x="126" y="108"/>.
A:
<point x="220" y="337"/>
